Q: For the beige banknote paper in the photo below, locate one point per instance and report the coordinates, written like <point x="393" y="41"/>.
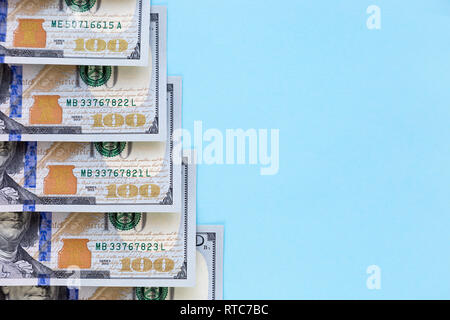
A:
<point x="101" y="249"/>
<point x="72" y="32"/>
<point x="209" y="284"/>
<point x="88" y="103"/>
<point x="94" y="177"/>
<point x="209" y="276"/>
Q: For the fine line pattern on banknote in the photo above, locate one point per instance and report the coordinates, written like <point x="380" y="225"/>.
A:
<point x="73" y="32"/>
<point x="95" y="177"/>
<point x="209" y="275"/>
<point x="102" y="249"/>
<point x="210" y="239"/>
<point x="88" y="103"/>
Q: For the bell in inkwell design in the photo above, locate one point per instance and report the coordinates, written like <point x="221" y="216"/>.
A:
<point x="60" y="180"/>
<point x="46" y="110"/>
<point x="74" y="252"/>
<point x="30" y="34"/>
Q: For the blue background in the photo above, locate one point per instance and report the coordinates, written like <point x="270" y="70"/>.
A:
<point x="364" y="142"/>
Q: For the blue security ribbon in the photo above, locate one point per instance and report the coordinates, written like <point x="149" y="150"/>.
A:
<point x="29" y="206"/>
<point x="30" y="163"/>
<point x="3" y="19"/>
<point x="72" y="294"/>
<point x="15" y="99"/>
<point x="43" y="280"/>
<point x="15" y="135"/>
<point x="45" y="244"/>
<point x="45" y="236"/>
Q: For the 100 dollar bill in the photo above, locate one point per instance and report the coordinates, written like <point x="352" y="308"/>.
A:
<point x="93" y="177"/>
<point x="209" y="284"/>
<point x="88" y="103"/>
<point x="209" y="277"/>
<point x="95" y="32"/>
<point x="102" y="249"/>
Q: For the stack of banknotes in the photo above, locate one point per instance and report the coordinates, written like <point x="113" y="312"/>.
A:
<point x="96" y="201"/>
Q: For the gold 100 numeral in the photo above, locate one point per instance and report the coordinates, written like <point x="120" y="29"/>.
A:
<point x="145" y="265"/>
<point x="115" y="120"/>
<point x="99" y="45"/>
<point x="129" y="191"/>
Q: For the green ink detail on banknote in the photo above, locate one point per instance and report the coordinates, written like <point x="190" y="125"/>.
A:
<point x="110" y="149"/>
<point x="124" y="221"/>
<point x="153" y="293"/>
<point x="80" y="5"/>
<point x="95" y="76"/>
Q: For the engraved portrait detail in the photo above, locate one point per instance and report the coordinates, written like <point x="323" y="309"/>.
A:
<point x="11" y="162"/>
<point x="33" y="293"/>
<point x="7" y="125"/>
<point x="18" y="231"/>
